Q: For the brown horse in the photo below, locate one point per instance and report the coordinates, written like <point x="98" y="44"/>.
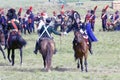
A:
<point x="81" y="50"/>
<point x="47" y="49"/>
<point x="2" y="42"/>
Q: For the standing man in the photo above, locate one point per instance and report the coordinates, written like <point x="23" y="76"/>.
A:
<point x="104" y="19"/>
<point x="92" y="19"/>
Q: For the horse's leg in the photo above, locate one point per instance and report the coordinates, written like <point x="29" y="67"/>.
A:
<point x="3" y="52"/>
<point x="8" y="50"/>
<point x="13" y="57"/>
<point x="81" y="62"/>
<point x="85" y="63"/>
<point x="21" y="56"/>
<point x="78" y="64"/>
<point x="44" y="62"/>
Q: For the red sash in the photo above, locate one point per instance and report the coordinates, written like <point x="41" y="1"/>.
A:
<point x="14" y="25"/>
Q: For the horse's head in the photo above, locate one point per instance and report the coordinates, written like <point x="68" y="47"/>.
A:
<point x="78" y="37"/>
<point x="2" y="37"/>
<point x="68" y="21"/>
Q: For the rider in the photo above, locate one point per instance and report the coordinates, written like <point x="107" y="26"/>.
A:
<point x="45" y="32"/>
<point x="85" y="29"/>
<point x="13" y="27"/>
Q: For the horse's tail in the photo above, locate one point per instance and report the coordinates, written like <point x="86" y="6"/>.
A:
<point x="22" y="41"/>
<point x="49" y="51"/>
<point x="49" y="54"/>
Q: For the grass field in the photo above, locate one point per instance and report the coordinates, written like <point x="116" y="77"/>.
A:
<point x="104" y="64"/>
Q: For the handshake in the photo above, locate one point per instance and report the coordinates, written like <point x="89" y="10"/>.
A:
<point x="64" y="33"/>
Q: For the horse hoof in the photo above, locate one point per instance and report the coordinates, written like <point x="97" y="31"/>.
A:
<point x="86" y="70"/>
<point x="5" y="58"/>
<point x="12" y="64"/>
<point x="78" y="66"/>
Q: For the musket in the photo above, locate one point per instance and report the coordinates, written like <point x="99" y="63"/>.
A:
<point x="94" y="12"/>
<point x="105" y="10"/>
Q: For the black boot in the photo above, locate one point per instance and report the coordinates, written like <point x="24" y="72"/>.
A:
<point x="90" y="47"/>
<point x="55" y="51"/>
<point x="36" y="47"/>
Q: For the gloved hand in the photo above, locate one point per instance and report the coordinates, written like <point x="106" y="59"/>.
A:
<point x="65" y="33"/>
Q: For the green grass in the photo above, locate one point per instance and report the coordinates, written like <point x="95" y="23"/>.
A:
<point x="104" y="64"/>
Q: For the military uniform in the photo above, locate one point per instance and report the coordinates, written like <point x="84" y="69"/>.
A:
<point x="92" y="19"/>
<point x="116" y="21"/>
<point x="13" y="28"/>
<point x="45" y="32"/>
<point x="104" y="19"/>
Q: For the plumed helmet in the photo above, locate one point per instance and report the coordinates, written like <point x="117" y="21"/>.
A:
<point x="48" y="20"/>
<point x="11" y="14"/>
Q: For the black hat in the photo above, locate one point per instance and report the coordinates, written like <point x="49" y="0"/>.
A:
<point x="11" y="14"/>
<point x="48" y="20"/>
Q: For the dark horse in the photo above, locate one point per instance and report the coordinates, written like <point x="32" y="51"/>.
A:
<point x="47" y="49"/>
<point x="2" y="42"/>
<point x="80" y="48"/>
<point x="15" y="41"/>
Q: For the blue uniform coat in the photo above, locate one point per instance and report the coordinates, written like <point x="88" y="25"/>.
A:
<point x="90" y="33"/>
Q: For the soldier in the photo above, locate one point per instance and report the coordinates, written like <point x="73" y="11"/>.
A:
<point x="45" y="32"/>
<point x="104" y="19"/>
<point x="31" y="20"/>
<point x="92" y="19"/>
<point x="116" y="20"/>
<point x="13" y="28"/>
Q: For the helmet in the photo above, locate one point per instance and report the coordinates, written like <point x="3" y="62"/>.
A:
<point x="11" y="14"/>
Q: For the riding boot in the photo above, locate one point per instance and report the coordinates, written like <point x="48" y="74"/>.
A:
<point x="36" y="47"/>
<point x="90" y="46"/>
<point x="55" y="51"/>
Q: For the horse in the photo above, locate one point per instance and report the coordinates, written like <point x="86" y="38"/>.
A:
<point x="2" y="42"/>
<point x="47" y="49"/>
<point x="15" y="41"/>
<point x="80" y="48"/>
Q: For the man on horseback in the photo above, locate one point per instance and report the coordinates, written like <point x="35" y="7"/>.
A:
<point x="45" y="32"/>
<point x="84" y="28"/>
<point x="13" y="28"/>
